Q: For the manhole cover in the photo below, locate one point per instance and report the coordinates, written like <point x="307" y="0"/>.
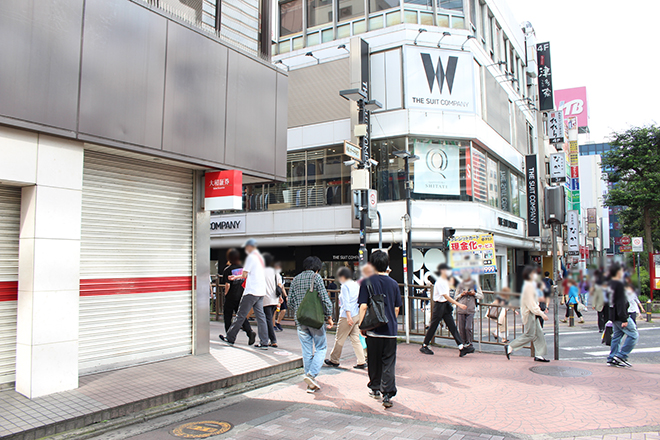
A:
<point x="548" y="370"/>
<point x="201" y="429"/>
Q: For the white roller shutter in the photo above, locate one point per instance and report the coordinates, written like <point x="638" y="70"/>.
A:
<point x="10" y="216"/>
<point x="136" y="262"/>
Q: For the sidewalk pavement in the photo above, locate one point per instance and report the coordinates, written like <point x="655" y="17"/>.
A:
<point x="113" y="394"/>
<point x="487" y="392"/>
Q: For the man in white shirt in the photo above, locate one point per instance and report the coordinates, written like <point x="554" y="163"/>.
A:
<point x="253" y="296"/>
<point x="442" y="311"/>
<point x="348" y="324"/>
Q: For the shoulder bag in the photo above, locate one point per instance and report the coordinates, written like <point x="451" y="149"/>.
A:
<point x="310" y="312"/>
<point x="375" y="316"/>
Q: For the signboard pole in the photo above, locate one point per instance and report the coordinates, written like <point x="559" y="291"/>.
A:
<point x="406" y="293"/>
<point x="556" y="291"/>
<point x="639" y="280"/>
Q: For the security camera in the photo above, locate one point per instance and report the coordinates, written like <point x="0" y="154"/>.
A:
<point x="349" y="163"/>
<point x="373" y="163"/>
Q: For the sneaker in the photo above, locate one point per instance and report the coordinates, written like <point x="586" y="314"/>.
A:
<point x="466" y="350"/>
<point x="311" y="382"/>
<point x="541" y="359"/>
<point x="360" y="366"/>
<point x="612" y="363"/>
<point x="507" y="352"/>
<point x="223" y="338"/>
<point x="425" y="349"/>
<point x="374" y="394"/>
<point x="279" y="326"/>
<point x="273" y="344"/>
<point x="387" y="402"/>
<point x="622" y="362"/>
<point x="329" y="363"/>
<point x="252" y="337"/>
<point x="311" y="390"/>
<point x="564" y="321"/>
<point x="261" y="346"/>
<point x="275" y="329"/>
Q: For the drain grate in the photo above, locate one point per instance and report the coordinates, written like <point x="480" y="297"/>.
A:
<point x="548" y="370"/>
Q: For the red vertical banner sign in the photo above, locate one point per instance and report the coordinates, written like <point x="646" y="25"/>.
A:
<point x="223" y="190"/>
<point x="468" y="172"/>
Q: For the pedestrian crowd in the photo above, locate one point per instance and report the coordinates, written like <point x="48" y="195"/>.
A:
<point x="369" y="309"/>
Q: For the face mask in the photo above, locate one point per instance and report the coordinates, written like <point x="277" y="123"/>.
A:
<point x="534" y="277"/>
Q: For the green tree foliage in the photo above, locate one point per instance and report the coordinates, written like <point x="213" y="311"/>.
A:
<point x="635" y="166"/>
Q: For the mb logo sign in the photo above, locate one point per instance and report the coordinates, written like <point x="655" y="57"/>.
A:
<point x="439" y="79"/>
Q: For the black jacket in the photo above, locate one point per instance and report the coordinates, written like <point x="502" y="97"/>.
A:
<point x="618" y="302"/>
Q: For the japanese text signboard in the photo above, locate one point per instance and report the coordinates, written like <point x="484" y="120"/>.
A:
<point x="473" y="252"/>
<point x="546" y="97"/>
<point x="223" y="190"/>
<point x="555" y="127"/>
<point x="573" y="225"/>
<point x="558" y="167"/>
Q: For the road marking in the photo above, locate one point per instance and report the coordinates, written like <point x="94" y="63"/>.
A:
<point x="201" y="429"/>
<point x="579" y="348"/>
<point x="595" y="331"/>
<point x="636" y="350"/>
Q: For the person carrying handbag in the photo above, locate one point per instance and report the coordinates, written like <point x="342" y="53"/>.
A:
<point x="380" y="301"/>
<point x="311" y="308"/>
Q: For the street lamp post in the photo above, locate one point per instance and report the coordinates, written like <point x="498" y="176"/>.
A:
<point x="365" y="106"/>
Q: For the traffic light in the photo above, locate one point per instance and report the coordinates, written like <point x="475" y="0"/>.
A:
<point x="447" y="234"/>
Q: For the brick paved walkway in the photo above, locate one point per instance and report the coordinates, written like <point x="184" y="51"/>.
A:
<point x="486" y="391"/>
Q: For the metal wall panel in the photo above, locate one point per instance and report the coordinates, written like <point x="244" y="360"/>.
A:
<point x="195" y="94"/>
<point x="322" y="82"/>
<point x="136" y="262"/>
<point x="250" y="140"/>
<point x="123" y="72"/>
<point x="521" y="131"/>
<point x="281" y="128"/>
<point x="40" y="60"/>
<point x="10" y="216"/>
<point x="497" y="107"/>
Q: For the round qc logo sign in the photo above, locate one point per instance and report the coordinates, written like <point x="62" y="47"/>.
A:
<point x="201" y="429"/>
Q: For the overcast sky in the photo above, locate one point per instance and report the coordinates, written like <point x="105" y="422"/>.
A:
<point x="609" y="46"/>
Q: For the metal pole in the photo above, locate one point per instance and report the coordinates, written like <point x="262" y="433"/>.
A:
<point x="380" y="230"/>
<point x="556" y="293"/>
<point x="639" y="280"/>
<point x="406" y="294"/>
<point x="409" y="263"/>
<point x="363" y="116"/>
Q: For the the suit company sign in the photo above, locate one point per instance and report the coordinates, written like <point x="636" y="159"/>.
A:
<point x="439" y="80"/>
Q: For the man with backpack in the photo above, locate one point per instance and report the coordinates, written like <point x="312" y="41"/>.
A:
<point x="312" y="340"/>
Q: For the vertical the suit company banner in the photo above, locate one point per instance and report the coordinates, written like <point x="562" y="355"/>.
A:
<point x="531" y="175"/>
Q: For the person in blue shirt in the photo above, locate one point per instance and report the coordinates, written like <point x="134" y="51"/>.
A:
<point x="573" y="301"/>
<point x="381" y="341"/>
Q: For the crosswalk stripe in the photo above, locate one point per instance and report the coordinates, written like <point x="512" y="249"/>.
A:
<point x="637" y="350"/>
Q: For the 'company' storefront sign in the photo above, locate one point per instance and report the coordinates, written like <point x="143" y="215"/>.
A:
<point x="223" y="225"/>
<point x="439" y="80"/>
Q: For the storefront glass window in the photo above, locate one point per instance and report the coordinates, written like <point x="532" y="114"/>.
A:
<point x="440" y="172"/>
<point x="318" y="12"/>
<point x="389" y="176"/>
<point x="493" y="184"/>
<point x="314" y="178"/>
<point x="291" y="17"/>
<point x="479" y="176"/>
<point x="424" y="4"/>
<point x="381" y="5"/>
<point x="456" y="5"/>
<point x="347" y="9"/>
<point x="522" y="185"/>
<point x="515" y="200"/>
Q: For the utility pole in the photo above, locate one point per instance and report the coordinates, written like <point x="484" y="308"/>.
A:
<point x="363" y="164"/>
